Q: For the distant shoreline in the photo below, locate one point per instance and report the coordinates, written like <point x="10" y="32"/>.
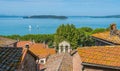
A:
<point x="109" y="16"/>
<point x="56" y="17"/>
<point x="45" y="16"/>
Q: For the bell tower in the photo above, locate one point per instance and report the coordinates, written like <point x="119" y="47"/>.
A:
<point x="64" y="47"/>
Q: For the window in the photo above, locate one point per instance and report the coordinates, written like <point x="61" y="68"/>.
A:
<point x="42" y="61"/>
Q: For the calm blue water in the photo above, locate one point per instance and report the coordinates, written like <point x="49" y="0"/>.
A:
<point x="10" y="26"/>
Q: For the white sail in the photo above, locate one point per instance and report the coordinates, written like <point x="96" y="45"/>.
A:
<point x="30" y="27"/>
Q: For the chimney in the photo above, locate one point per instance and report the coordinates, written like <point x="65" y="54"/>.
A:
<point x="113" y="29"/>
<point x="27" y="46"/>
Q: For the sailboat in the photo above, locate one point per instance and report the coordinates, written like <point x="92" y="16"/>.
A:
<point x="30" y="27"/>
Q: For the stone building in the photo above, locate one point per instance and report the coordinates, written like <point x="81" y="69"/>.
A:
<point x="41" y="50"/>
<point x="100" y="58"/>
<point x="64" y="60"/>
<point x="111" y="37"/>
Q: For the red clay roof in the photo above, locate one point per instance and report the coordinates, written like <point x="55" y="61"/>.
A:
<point x="106" y="36"/>
<point x="39" y="49"/>
<point x="23" y="43"/>
<point x="102" y="55"/>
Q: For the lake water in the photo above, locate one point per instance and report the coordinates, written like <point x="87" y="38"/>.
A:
<point x="10" y="26"/>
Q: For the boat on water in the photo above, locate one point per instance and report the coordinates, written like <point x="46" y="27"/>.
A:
<point x="30" y="27"/>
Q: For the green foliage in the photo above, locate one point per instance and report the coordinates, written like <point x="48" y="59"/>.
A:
<point x="85" y="29"/>
<point x="67" y="33"/>
<point x="97" y="30"/>
<point x="76" y="37"/>
<point x="16" y="37"/>
<point x="39" y="38"/>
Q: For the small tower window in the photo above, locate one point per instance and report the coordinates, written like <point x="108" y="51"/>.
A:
<point x="42" y="61"/>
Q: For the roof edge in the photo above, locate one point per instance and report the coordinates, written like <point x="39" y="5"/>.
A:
<point x="103" y="66"/>
<point x="108" y="42"/>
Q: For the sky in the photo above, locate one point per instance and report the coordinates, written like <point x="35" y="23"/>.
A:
<point x="60" y="7"/>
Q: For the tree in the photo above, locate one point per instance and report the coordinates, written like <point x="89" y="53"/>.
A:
<point x="85" y="29"/>
<point x="97" y="30"/>
<point x="68" y="33"/>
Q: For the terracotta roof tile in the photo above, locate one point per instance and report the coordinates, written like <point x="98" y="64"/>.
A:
<point x="23" y="43"/>
<point x="103" y="55"/>
<point x="106" y="36"/>
<point x="39" y="49"/>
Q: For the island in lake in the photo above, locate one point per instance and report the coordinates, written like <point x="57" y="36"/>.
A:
<point x="46" y="16"/>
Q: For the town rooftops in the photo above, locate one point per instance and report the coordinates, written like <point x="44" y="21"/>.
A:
<point x="102" y="56"/>
<point x="59" y="62"/>
<point x="39" y="49"/>
<point x="107" y="37"/>
<point x="10" y="58"/>
<point x="5" y="41"/>
<point x="23" y="43"/>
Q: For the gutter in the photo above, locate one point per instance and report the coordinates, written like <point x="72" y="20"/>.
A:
<point x="102" y="66"/>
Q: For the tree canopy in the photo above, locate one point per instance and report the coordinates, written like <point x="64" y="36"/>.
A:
<point x="68" y="33"/>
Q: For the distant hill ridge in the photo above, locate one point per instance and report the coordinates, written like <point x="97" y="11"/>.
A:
<point x="109" y="16"/>
<point x="46" y="16"/>
<point x="57" y="17"/>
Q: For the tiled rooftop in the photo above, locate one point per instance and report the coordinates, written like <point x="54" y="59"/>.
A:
<point x="10" y="58"/>
<point x="23" y="43"/>
<point x="106" y="36"/>
<point x="59" y="62"/>
<point x="39" y="49"/>
<point x="53" y="62"/>
<point x="66" y="64"/>
<point x="101" y="55"/>
<point x="5" y="41"/>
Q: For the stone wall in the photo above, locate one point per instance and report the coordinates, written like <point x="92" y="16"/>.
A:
<point x="77" y="62"/>
<point x="29" y="63"/>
